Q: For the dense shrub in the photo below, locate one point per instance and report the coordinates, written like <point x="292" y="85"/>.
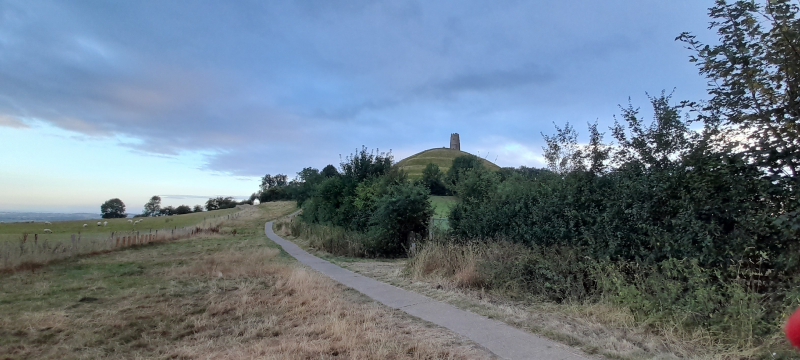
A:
<point x="433" y="179"/>
<point x="220" y="202"/>
<point x="678" y="199"/>
<point x="369" y="197"/>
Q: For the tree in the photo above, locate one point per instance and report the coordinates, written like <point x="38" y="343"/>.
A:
<point x="220" y="203"/>
<point x="562" y="153"/>
<point x="754" y="79"/>
<point x="404" y="210"/>
<point x="198" y="208"/>
<point x="329" y="171"/>
<point x="267" y="182"/>
<point x="460" y="165"/>
<point x="153" y="207"/>
<point x="168" y="211"/>
<point x="113" y="208"/>
<point x="183" y="209"/>
<point x="362" y="165"/>
<point x="432" y="179"/>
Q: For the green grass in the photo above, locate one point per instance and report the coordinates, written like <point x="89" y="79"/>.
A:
<point x="442" y="205"/>
<point x="414" y="164"/>
<point x="14" y="230"/>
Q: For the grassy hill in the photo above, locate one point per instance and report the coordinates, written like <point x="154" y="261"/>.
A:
<point x="414" y="164"/>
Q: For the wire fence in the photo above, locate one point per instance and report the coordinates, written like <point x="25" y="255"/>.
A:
<point x="29" y="251"/>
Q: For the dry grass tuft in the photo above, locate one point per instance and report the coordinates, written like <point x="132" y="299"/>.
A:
<point x="230" y="264"/>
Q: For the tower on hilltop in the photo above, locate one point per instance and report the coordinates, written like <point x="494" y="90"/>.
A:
<point x="455" y="142"/>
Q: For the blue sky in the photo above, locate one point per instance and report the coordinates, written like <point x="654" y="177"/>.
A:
<point x="191" y="99"/>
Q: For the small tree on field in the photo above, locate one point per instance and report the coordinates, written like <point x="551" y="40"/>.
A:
<point x="183" y="209"/>
<point x="113" y="208"/>
<point x="198" y="208"/>
<point x="153" y="207"/>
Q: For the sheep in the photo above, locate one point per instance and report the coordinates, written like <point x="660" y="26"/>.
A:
<point x="48" y="223"/>
<point x="130" y="221"/>
<point x="85" y="225"/>
<point x="105" y="223"/>
<point x="48" y="230"/>
<point x="98" y="223"/>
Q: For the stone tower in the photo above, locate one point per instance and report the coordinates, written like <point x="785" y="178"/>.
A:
<point x="455" y="142"/>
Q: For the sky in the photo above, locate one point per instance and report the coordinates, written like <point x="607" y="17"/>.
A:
<point x="194" y="99"/>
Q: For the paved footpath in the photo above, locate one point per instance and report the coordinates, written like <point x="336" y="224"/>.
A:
<point x="503" y="340"/>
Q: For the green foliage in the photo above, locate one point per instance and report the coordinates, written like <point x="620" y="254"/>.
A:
<point x="113" y="208"/>
<point x="329" y="171"/>
<point x="269" y="181"/>
<point x="274" y="188"/>
<point x="670" y="195"/>
<point x="197" y="208"/>
<point x="153" y="206"/>
<point x="183" y="209"/>
<point x="368" y="197"/>
<point x="461" y="164"/>
<point x="562" y="153"/>
<point x="220" y="202"/>
<point x="432" y="178"/>
<point x="753" y="79"/>
<point x="401" y="215"/>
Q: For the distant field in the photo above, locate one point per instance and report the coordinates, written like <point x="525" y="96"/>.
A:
<point x="413" y="165"/>
<point x="76" y="226"/>
<point x="442" y="205"/>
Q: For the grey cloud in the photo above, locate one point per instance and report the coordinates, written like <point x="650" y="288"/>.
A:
<point x="503" y="79"/>
<point x="276" y="86"/>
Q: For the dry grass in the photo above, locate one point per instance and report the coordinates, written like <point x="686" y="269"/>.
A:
<point x="208" y="298"/>
<point x="449" y="273"/>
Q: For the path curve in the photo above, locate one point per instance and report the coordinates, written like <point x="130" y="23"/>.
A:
<point x="503" y="340"/>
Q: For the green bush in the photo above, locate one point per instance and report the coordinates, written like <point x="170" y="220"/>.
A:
<point x="372" y="199"/>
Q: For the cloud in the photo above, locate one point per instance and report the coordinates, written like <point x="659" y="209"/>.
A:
<point x="276" y="86"/>
<point x="502" y="79"/>
<point x="12" y="122"/>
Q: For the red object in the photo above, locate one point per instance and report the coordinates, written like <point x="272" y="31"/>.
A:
<point x="792" y="329"/>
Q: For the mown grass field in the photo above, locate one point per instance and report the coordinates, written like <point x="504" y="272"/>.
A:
<point x="414" y="164"/>
<point x="442" y="205"/>
<point x="14" y="230"/>
<point x="210" y="297"/>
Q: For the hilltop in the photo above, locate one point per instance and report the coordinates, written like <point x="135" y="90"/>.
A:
<point x="414" y="164"/>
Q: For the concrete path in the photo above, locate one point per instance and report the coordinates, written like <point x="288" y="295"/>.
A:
<point x="503" y="340"/>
